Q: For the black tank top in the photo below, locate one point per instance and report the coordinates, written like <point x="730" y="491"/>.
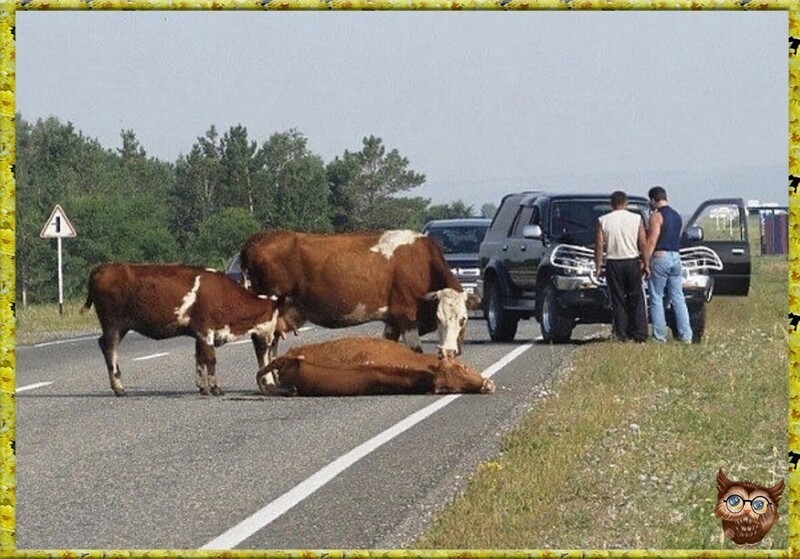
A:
<point x="670" y="237"/>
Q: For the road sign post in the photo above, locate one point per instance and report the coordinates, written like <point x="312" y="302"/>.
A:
<point x="58" y="227"/>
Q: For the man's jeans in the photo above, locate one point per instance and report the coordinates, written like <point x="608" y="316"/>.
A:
<point x="665" y="274"/>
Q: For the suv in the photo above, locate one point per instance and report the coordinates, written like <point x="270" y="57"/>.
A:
<point x="460" y="240"/>
<point x="537" y="260"/>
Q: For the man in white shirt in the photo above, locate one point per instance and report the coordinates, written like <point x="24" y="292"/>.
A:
<point x="622" y="235"/>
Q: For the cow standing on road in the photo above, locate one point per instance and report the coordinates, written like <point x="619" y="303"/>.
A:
<point x="367" y="366"/>
<point x="168" y="300"/>
<point x="335" y="281"/>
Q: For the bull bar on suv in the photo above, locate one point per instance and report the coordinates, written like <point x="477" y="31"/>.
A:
<point x="576" y="269"/>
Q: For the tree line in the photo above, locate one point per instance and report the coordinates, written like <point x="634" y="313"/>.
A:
<point x="128" y="206"/>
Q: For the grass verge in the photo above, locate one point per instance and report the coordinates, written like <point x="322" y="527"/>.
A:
<point x="624" y="453"/>
<point x="38" y="323"/>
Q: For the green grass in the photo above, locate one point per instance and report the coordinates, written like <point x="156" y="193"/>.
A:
<point x="624" y="453"/>
<point x="37" y="323"/>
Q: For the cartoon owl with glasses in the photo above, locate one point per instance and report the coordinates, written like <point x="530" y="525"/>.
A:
<point x="747" y="510"/>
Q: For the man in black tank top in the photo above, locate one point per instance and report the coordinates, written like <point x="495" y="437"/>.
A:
<point x="663" y="267"/>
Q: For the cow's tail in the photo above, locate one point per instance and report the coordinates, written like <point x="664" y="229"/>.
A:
<point x="88" y="304"/>
<point x="244" y="265"/>
<point x="89" y="288"/>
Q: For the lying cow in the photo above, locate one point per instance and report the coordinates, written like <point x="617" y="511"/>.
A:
<point x="167" y="300"/>
<point x="362" y="366"/>
<point x="335" y="281"/>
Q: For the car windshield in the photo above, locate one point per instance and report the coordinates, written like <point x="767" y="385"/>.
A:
<point x="573" y="221"/>
<point x="459" y="240"/>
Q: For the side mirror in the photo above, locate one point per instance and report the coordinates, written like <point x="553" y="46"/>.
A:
<point x="532" y="232"/>
<point x="694" y="233"/>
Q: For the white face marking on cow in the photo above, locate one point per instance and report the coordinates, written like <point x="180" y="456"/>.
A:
<point x="390" y="240"/>
<point x="182" y="311"/>
<point x="451" y="319"/>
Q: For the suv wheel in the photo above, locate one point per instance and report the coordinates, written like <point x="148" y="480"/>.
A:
<point x="697" y="320"/>
<point x="555" y="326"/>
<point x="502" y="324"/>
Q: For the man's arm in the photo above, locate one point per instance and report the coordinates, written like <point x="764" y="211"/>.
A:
<point x="653" y="231"/>
<point x="599" y="241"/>
<point x="641" y="242"/>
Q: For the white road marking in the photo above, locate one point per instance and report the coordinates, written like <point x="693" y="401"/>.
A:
<point x="68" y="341"/>
<point x="306" y="488"/>
<point x="152" y="356"/>
<point x="32" y="386"/>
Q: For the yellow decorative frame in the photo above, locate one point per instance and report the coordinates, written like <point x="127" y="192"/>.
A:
<point x="7" y="265"/>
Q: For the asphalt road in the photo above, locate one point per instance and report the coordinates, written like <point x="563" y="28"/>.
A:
<point x="167" y="468"/>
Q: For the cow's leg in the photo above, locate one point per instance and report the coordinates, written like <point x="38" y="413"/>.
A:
<point x="206" y="362"/>
<point x="391" y="332"/>
<point x="109" y="342"/>
<point x="266" y="381"/>
<point x="411" y="339"/>
<point x="265" y="353"/>
<point x="261" y="347"/>
<point x="273" y="348"/>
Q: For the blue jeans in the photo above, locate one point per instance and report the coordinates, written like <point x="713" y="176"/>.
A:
<point x="665" y="274"/>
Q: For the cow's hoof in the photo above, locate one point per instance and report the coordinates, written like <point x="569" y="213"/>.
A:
<point x="119" y="392"/>
<point x="488" y="386"/>
<point x="203" y="391"/>
<point x="265" y="379"/>
<point x="217" y="391"/>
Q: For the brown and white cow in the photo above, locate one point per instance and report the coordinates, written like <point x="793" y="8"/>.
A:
<point x="398" y="277"/>
<point x="167" y="300"/>
<point x="364" y="366"/>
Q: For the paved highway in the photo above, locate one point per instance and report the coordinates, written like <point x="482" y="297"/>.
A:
<point x="167" y="468"/>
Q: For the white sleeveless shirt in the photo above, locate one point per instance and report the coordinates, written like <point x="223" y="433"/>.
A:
<point x="621" y="232"/>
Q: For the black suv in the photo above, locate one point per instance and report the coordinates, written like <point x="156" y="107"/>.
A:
<point x="537" y="261"/>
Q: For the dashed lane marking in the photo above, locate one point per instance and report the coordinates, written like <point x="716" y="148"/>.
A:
<point x="32" y="386"/>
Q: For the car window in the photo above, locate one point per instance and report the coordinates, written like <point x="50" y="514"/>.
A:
<point x="573" y="221"/>
<point x="459" y="240"/>
<point x="523" y="218"/>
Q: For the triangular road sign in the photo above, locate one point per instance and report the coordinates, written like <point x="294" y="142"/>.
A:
<point x="57" y="225"/>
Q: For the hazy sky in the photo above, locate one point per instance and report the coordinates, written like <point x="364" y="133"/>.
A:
<point x="482" y="103"/>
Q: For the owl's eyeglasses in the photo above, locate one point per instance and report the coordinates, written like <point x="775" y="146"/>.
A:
<point x="735" y="503"/>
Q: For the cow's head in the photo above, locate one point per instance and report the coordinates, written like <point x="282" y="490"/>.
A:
<point x="451" y="319"/>
<point x="451" y="376"/>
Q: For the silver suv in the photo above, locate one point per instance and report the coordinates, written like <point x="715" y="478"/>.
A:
<point x="460" y="240"/>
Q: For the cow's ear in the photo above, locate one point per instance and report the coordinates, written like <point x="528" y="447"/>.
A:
<point x="432" y="295"/>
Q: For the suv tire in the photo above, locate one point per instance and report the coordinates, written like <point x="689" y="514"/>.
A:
<point x="502" y="324"/>
<point x="697" y="320"/>
<point x="556" y="327"/>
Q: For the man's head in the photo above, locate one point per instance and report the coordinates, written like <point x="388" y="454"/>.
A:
<point x="619" y="200"/>
<point x="657" y="194"/>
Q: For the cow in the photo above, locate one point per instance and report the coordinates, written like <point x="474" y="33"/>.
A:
<point x="366" y="366"/>
<point x="339" y="280"/>
<point x="167" y="300"/>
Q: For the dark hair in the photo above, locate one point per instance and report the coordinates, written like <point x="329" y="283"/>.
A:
<point x="618" y="198"/>
<point x="657" y="193"/>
